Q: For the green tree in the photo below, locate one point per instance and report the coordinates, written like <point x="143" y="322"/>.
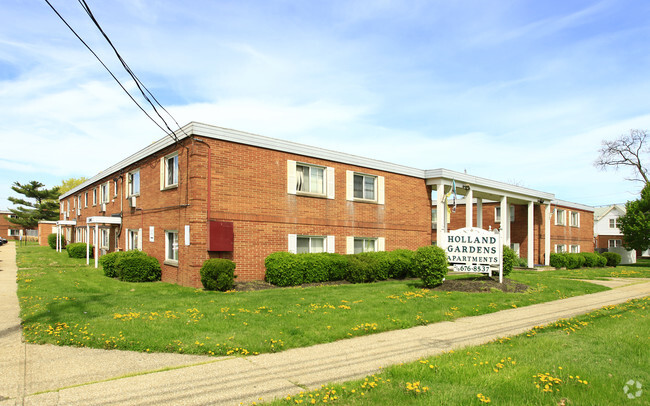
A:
<point x="69" y="184"/>
<point x="635" y="224"/>
<point x="43" y="204"/>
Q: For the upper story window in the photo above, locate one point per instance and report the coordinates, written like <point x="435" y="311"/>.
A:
<point x="308" y="179"/>
<point x="613" y="223"/>
<point x="560" y="217"/>
<point x="574" y="219"/>
<point x="497" y="214"/>
<point x="94" y="196"/>
<point x="104" y="192"/>
<point x="169" y="171"/>
<point x="133" y="183"/>
<point x="86" y="199"/>
<point x="365" y="187"/>
<point x="115" y="187"/>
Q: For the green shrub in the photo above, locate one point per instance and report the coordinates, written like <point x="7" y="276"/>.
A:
<point x="602" y="261"/>
<point x="522" y="263"/>
<point x="107" y="262"/>
<point x="557" y="260"/>
<point x="362" y="268"/>
<point x="591" y="259"/>
<point x="51" y="241"/>
<point x="509" y="260"/>
<point x="282" y="269"/>
<point x="218" y="274"/>
<point x="430" y="264"/>
<point x="78" y="249"/>
<point x="613" y="259"/>
<point x="400" y="264"/>
<point x="313" y="267"/>
<point x="136" y="266"/>
<point x="573" y="260"/>
<point x="337" y="266"/>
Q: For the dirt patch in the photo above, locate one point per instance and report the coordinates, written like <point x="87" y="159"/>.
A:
<point x="472" y="284"/>
<point x="481" y="284"/>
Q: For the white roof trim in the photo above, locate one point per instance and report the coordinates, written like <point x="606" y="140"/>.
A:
<point x="103" y="220"/>
<point x="572" y="205"/>
<point x="66" y="223"/>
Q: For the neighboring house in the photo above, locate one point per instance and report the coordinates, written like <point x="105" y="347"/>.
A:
<point x="606" y="232"/>
<point x="11" y="231"/>
<point x="221" y="193"/>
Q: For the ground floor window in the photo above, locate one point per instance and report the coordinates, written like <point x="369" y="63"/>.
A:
<point x="365" y="245"/>
<point x="171" y="246"/>
<point x="132" y="240"/>
<point x="575" y="249"/>
<point x="515" y="247"/>
<point x="104" y="240"/>
<point x="14" y="233"/>
<point x="560" y="248"/>
<point x="310" y="244"/>
<point x="615" y="243"/>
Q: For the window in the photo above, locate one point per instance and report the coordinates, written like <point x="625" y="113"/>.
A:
<point x="613" y="223"/>
<point x="365" y="245"/>
<point x="434" y="219"/>
<point x="310" y="244"/>
<point x="115" y="187"/>
<point x="310" y="179"/>
<point x="78" y="204"/>
<point x="94" y="196"/>
<point x="365" y="187"/>
<point x="169" y="171"/>
<point x="133" y="183"/>
<point x="133" y="240"/>
<point x="560" y="248"/>
<point x="615" y="243"/>
<point x="515" y="247"/>
<point x="574" y="219"/>
<point x="103" y="192"/>
<point x="104" y="238"/>
<point x="560" y="217"/>
<point x="575" y="249"/>
<point x="497" y="214"/>
<point x="86" y="199"/>
<point x="171" y="246"/>
<point x="14" y="233"/>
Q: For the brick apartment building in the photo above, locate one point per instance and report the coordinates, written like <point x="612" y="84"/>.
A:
<point x="11" y="231"/>
<point x="223" y="193"/>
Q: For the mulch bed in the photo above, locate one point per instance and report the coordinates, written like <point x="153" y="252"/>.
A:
<point x="472" y="284"/>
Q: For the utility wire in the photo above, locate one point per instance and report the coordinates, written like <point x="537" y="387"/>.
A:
<point x="172" y="134"/>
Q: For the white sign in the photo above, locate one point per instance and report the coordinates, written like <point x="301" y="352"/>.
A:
<point x="473" y="250"/>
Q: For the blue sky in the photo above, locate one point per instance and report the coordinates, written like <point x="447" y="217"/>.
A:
<point x="517" y="91"/>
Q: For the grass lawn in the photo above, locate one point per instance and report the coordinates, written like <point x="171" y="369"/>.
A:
<point x="65" y="302"/>
<point x="581" y="361"/>
<point x="639" y="270"/>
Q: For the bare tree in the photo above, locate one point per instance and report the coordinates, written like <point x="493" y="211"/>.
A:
<point x="626" y="150"/>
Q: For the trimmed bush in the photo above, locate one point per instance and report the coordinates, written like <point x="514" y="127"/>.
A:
<point x="78" y="249"/>
<point x="522" y="263"/>
<point x="51" y="241"/>
<point x="400" y="264"/>
<point x="218" y="274"/>
<point x="557" y="260"/>
<point x="430" y="265"/>
<point x="282" y="269"/>
<point x="591" y="259"/>
<point x="107" y="262"/>
<point x="361" y="269"/>
<point x="613" y="259"/>
<point x="602" y="261"/>
<point x="337" y="265"/>
<point x="136" y="266"/>
<point x="509" y="260"/>
<point x="573" y="260"/>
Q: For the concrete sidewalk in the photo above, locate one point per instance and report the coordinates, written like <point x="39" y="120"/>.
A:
<point x="234" y="380"/>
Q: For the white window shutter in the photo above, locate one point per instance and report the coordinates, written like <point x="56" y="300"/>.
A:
<point x="330" y="183"/>
<point x="330" y="245"/>
<point x="126" y="241"/>
<point x="381" y="244"/>
<point x="349" y="185"/>
<point x="162" y="173"/>
<point x="293" y="243"/>
<point x="349" y="245"/>
<point x="381" y="195"/>
<point x="291" y="177"/>
<point x="140" y="239"/>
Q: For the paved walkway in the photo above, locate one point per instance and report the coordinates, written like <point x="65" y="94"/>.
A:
<point x="231" y="380"/>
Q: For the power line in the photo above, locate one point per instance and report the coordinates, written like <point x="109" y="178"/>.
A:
<point x="167" y="131"/>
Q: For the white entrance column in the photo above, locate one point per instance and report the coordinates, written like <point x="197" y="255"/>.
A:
<point x="547" y="235"/>
<point x="469" y="206"/>
<point x="479" y="212"/>
<point x="441" y="215"/>
<point x="96" y="244"/>
<point x="505" y="221"/>
<point x="87" y="244"/>
<point x="531" y="234"/>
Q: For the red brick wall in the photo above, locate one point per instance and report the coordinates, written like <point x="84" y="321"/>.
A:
<point x="6" y="225"/>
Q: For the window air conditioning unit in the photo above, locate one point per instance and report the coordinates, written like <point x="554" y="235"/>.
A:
<point x="103" y="207"/>
<point x="132" y="201"/>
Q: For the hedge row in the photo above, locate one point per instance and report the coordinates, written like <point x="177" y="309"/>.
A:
<point x="131" y="266"/>
<point x="584" y="259"/>
<point x="428" y="263"/>
<point x="78" y="249"/>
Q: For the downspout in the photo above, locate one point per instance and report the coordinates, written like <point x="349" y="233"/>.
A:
<point x="209" y="198"/>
